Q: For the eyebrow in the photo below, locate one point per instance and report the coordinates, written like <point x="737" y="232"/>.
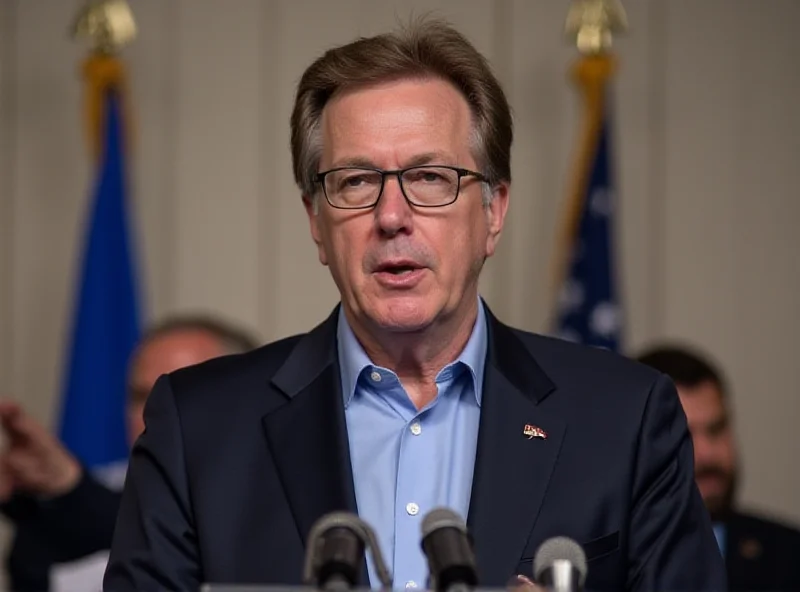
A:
<point x="419" y="159"/>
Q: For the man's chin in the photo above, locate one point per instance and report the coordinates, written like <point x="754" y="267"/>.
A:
<point x="720" y="500"/>
<point x="402" y="323"/>
<point x="402" y="315"/>
<point x="719" y="507"/>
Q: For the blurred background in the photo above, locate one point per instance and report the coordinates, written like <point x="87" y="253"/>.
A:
<point x="705" y="151"/>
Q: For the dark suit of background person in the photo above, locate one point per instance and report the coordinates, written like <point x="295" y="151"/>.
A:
<point x="760" y="553"/>
<point x="58" y="530"/>
<point x="243" y="454"/>
<point x="68" y="514"/>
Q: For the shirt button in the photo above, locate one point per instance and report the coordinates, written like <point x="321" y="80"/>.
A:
<point x="416" y="429"/>
<point x="410" y="584"/>
<point x="412" y="509"/>
<point x="376" y="376"/>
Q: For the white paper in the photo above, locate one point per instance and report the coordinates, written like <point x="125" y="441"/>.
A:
<point x="83" y="575"/>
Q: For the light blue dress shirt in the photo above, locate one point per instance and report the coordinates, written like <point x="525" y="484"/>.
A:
<point x="406" y="462"/>
<point x="720" y="534"/>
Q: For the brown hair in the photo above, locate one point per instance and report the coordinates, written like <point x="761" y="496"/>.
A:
<point x="425" y="48"/>
<point x="686" y="366"/>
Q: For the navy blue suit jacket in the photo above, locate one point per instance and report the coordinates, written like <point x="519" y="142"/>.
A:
<point x="242" y="454"/>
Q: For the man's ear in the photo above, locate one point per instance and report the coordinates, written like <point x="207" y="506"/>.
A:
<point x="496" y="215"/>
<point x="315" y="224"/>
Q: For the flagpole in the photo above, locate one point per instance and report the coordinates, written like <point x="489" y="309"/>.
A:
<point x="106" y="316"/>
<point x="591" y="24"/>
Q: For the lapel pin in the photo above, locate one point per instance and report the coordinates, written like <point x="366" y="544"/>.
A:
<point x="750" y="549"/>
<point x="533" y="431"/>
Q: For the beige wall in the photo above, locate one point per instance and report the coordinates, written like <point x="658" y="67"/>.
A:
<point x="708" y="139"/>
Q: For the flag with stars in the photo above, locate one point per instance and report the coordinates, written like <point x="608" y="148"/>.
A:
<point x="588" y="303"/>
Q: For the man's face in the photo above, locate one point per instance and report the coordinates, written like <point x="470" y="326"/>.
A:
<point x="714" y="450"/>
<point x="161" y="355"/>
<point x="392" y="126"/>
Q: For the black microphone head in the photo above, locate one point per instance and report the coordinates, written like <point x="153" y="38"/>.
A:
<point x="448" y="549"/>
<point x="336" y="519"/>
<point x="336" y="548"/>
<point x="559" y="549"/>
<point x="442" y="518"/>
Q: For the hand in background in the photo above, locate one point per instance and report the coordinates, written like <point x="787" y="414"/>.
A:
<point x="520" y="583"/>
<point x="33" y="459"/>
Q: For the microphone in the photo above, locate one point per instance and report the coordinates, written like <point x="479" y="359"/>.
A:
<point x="560" y="565"/>
<point x="335" y="550"/>
<point x="448" y="548"/>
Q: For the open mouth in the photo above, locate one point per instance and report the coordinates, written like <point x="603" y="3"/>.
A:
<point x="398" y="269"/>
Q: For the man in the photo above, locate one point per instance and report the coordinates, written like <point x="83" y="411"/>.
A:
<point x="411" y="395"/>
<point x="60" y="511"/>
<point x="760" y="554"/>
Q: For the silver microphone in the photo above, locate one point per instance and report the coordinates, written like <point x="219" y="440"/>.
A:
<point x="560" y="565"/>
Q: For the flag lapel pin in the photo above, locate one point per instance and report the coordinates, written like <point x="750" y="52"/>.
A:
<point x="532" y="431"/>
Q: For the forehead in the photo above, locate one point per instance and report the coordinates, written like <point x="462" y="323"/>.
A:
<point x="174" y="350"/>
<point x="390" y="123"/>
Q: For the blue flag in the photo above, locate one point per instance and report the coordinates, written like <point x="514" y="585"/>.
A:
<point x="589" y="309"/>
<point x="105" y="327"/>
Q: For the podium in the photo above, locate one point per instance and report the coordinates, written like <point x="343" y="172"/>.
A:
<point x="271" y="588"/>
<point x="263" y="588"/>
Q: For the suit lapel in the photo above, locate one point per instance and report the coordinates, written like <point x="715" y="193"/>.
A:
<point x="307" y="433"/>
<point x="512" y="469"/>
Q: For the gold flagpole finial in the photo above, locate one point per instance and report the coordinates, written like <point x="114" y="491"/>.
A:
<point x="591" y="24"/>
<point x="108" y="24"/>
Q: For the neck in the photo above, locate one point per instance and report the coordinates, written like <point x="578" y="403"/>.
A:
<point x="417" y="357"/>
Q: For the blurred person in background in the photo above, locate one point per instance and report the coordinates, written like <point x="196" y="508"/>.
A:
<point x="760" y="554"/>
<point x="61" y="513"/>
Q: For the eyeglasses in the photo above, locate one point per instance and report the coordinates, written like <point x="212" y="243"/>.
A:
<point x="353" y="188"/>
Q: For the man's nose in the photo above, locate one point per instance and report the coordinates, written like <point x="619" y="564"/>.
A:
<point x="393" y="213"/>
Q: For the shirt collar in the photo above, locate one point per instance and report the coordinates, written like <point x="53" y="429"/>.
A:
<point x="353" y="359"/>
